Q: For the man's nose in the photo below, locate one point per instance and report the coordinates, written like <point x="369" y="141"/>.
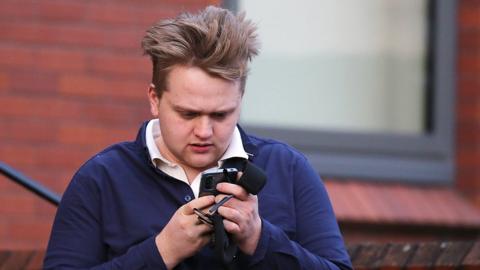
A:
<point x="203" y="127"/>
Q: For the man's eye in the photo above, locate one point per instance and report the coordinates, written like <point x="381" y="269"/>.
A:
<point x="188" y="115"/>
<point x="219" y="115"/>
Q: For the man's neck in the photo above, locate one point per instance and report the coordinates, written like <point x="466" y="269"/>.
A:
<point x="190" y="172"/>
<point x="162" y="158"/>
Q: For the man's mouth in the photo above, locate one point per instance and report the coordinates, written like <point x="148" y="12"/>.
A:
<point x="201" y="147"/>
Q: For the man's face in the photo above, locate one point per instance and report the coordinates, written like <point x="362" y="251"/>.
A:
<point x="197" y="114"/>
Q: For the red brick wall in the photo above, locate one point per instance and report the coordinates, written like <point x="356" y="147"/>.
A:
<point x="72" y="81"/>
<point x="468" y="100"/>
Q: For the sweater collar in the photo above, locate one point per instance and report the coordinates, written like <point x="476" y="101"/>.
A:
<point x="250" y="147"/>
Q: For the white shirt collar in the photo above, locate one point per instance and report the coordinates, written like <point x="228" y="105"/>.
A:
<point x="235" y="149"/>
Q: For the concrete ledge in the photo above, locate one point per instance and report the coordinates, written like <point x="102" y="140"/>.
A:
<point x="461" y="255"/>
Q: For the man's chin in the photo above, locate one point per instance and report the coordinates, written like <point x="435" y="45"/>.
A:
<point x="202" y="165"/>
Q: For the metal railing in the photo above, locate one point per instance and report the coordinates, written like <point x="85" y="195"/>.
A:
<point x="29" y="184"/>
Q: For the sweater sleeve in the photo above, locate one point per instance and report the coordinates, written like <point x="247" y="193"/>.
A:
<point x="318" y="243"/>
<point x="76" y="237"/>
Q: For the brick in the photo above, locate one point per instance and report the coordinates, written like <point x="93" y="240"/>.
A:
<point x="124" y="39"/>
<point x="399" y="200"/>
<point x="130" y="14"/>
<point x="177" y="5"/>
<point x="33" y="81"/>
<point x="468" y="179"/>
<point x="468" y="123"/>
<point x="3" y="233"/>
<point x="17" y="260"/>
<point x="396" y="257"/>
<point x="94" y="87"/>
<point x="17" y="157"/>
<point x="405" y="205"/>
<point x="469" y="97"/>
<point x="27" y="131"/>
<point x="469" y="41"/>
<point x="466" y="138"/>
<point x="17" y="204"/>
<point x="442" y="212"/>
<point x="469" y="16"/>
<point x="424" y="256"/>
<point x="20" y="244"/>
<point x="472" y="259"/>
<point x="36" y="262"/>
<point x="342" y="206"/>
<point x="55" y="182"/>
<point x="468" y="159"/>
<point x="355" y="213"/>
<point x="4" y="254"/>
<point x="76" y="36"/>
<point x="4" y="82"/>
<point x="12" y="9"/>
<point x="45" y="209"/>
<point x="468" y="147"/>
<point x="42" y="59"/>
<point x="59" y="156"/>
<point x="457" y="211"/>
<point x="56" y="109"/>
<point x="61" y="11"/>
<point x="452" y="255"/>
<point x="468" y="111"/>
<point x="83" y="12"/>
<point x="353" y="250"/>
<point x="360" y="201"/>
<point x="468" y="89"/>
<point x="16" y="56"/>
<point x="468" y="64"/>
<point x="60" y="60"/>
<point x="118" y="64"/>
<point x="418" y="203"/>
<point x="8" y="186"/>
<point x="33" y="229"/>
<point x="474" y="197"/>
<point x="43" y="156"/>
<point x="467" y="130"/>
<point x="387" y="207"/>
<point x="115" y="114"/>
<point x="212" y="2"/>
<point x="88" y="135"/>
<point x="467" y="214"/>
<point x="12" y="106"/>
<point x="369" y="255"/>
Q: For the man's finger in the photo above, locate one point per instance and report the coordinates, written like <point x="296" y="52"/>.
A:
<point x="200" y="203"/>
<point x="219" y="203"/>
<point x="236" y="190"/>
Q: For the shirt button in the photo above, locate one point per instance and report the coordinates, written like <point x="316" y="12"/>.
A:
<point x="187" y="198"/>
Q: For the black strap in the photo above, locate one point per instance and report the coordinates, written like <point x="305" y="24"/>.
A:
<point x="253" y="180"/>
<point x="224" y="247"/>
<point x="235" y="162"/>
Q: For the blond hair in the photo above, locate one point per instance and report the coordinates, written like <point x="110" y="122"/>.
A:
<point x="214" y="40"/>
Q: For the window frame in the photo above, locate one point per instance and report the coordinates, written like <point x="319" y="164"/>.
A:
<point x="419" y="158"/>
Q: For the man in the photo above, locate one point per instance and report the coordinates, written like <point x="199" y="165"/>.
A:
<point x="132" y="205"/>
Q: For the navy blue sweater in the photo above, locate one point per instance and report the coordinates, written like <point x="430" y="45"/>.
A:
<point x="118" y="202"/>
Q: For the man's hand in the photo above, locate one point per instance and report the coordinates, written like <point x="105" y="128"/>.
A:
<point x="241" y="217"/>
<point x="184" y="234"/>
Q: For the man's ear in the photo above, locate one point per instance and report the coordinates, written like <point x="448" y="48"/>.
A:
<point x="153" y="100"/>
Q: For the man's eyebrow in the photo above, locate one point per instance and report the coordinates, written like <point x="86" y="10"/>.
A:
<point x="185" y="109"/>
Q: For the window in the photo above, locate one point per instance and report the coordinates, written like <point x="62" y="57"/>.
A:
<point x="365" y="89"/>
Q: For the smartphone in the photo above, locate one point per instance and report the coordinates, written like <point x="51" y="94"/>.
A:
<point x="210" y="179"/>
